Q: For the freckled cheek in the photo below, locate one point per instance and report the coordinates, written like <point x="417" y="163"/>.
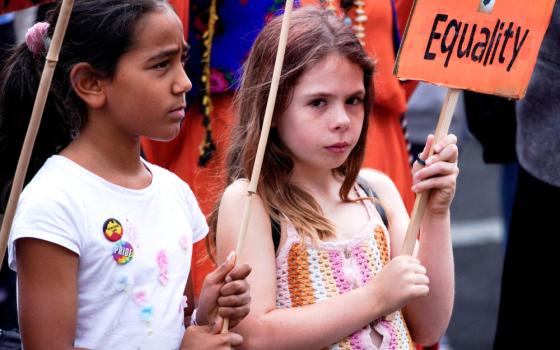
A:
<point x="297" y="141"/>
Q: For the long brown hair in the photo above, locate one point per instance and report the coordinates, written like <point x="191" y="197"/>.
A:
<point x="314" y="33"/>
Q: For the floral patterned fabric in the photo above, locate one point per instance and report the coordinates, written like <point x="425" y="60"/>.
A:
<point x="232" y="39"/>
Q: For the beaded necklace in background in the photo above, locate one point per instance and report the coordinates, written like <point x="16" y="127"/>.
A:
<point x="361" y="18"/>
<point x="208" y="147"/>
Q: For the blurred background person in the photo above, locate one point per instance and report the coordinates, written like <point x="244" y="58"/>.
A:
<point x="527" y="299"/>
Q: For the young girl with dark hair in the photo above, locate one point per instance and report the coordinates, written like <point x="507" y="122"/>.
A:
<point x="102" y="240"/>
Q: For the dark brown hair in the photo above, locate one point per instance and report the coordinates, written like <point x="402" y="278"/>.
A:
<point x="99" y="33"/>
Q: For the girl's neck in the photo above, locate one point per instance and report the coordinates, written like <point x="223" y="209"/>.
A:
<point x="322" y="183"/>
<point x="114" y="157"/>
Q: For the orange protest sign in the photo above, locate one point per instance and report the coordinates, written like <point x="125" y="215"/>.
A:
<point x="467" y="44"/>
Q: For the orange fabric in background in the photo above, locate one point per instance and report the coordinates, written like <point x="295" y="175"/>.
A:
<point x="386" y="148"/>
<point x="182" y="9"/>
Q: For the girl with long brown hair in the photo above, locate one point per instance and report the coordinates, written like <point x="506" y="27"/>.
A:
<point x="325" y="278"/>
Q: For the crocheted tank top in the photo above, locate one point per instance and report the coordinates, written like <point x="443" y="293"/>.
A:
<point x="307" y="273"/>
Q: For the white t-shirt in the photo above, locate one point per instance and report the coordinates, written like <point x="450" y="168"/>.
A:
<point x="135" y="305"/>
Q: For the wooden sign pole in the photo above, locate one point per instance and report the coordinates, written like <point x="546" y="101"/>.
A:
<point x="422" y="199"/>
<point x="442" y="127"/>
<point x="34" y="123"/>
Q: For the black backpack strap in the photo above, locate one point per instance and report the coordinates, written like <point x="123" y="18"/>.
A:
<point x="364" y="185"/>
<point x="276" y="229"/>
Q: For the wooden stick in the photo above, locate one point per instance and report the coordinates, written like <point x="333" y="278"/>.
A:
<point x="34" y="122"/>
<point x="422" y="199"/>
<point x="269" y="111"/>
<point x="419" y="208"/>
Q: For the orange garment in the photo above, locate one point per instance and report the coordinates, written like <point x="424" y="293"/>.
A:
<point x="386" y="148"/>
<point x="182" y="9"/>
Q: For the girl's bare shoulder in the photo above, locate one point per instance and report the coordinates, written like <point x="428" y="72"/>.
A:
<point x="380" y="182"/>
<point x="236" y="195"/>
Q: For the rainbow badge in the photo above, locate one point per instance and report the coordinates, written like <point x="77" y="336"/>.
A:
<point x="123" y="252"/>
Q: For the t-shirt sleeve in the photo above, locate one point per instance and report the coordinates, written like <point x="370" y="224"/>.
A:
<point x="46" y="219"/>
<point x="198" y="220"/>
